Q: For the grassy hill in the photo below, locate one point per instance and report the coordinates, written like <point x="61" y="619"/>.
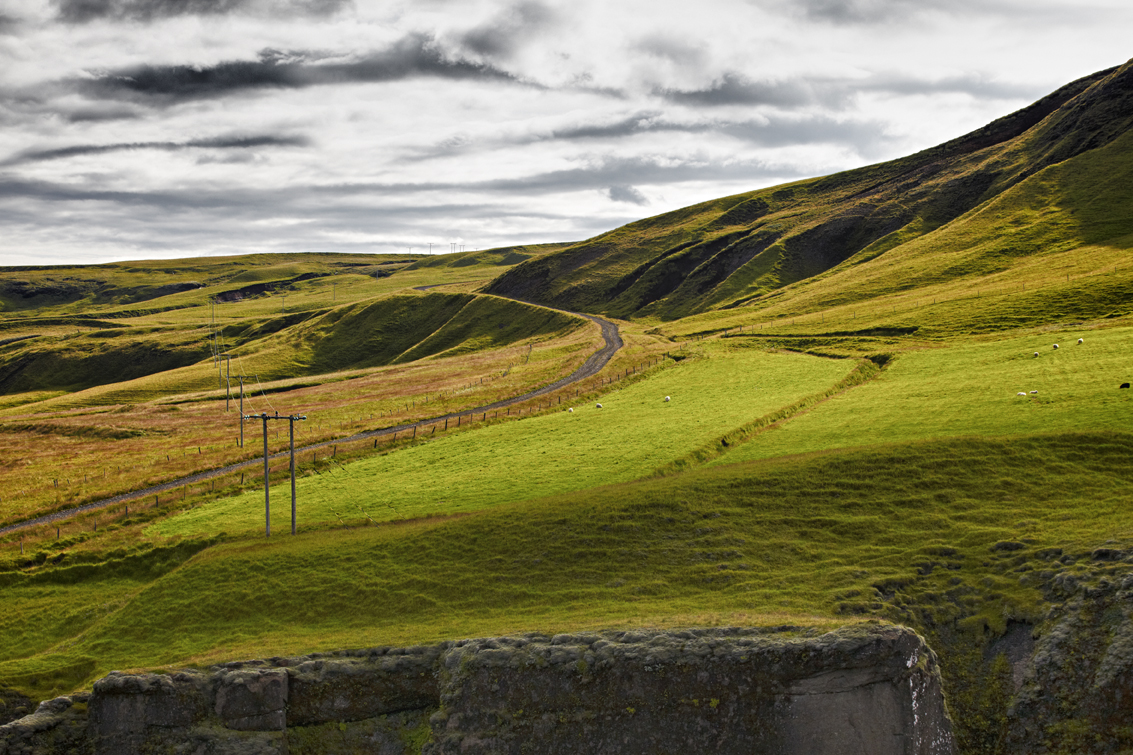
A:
<point x="745" y="249"/>
<point x="815" y="419"/>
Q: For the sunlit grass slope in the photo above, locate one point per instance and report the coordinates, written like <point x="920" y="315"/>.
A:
<point x="1053" y="248"/>
<point x="634" y="433"/>
<point x="969" y="389"/>
<point x="1049" y="179"/>
<point x="85" y="446"/>
<point x="138" y="364"/>
<point x="806" y="540"/>
<point x="70" y="328"/>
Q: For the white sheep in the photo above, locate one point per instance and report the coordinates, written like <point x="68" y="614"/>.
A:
<point x="666" y="398"/>
<point x="1080" y="340"/>
<point x="598" y="406"/>
<point x="1036" y="353"/>
<point x="1021" y="393"/>
<point x="1033" y="392"/>
<point x="570" y="411"/>
<point x="1056" y="346"/>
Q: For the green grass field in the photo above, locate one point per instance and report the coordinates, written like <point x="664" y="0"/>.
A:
<point x="812" y="540"/>
<point x="969" y="389"/>
<point x="635" y="431"/>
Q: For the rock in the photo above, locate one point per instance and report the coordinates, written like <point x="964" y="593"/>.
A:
<point x="55" y="727"/>
<point x="862" y="689"/>
<point x="253" y="699"/>
<point x="125" y="707"/>
<point x="859" y="690"/>
<point x="1007" y="545"/>
<point x="1078" y="689"/>
<point x="353" y="689"/>
<point x="13" y="705"/>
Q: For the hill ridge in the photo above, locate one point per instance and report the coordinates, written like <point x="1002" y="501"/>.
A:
<point x="738" y="248"/>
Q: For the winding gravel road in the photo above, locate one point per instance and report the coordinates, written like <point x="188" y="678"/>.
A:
<point x="592" y="366"/>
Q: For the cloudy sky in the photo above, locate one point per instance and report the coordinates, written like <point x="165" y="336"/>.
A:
<point x="135" y="129"/>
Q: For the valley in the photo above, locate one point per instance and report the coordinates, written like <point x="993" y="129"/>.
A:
<point x="888" y="395"/>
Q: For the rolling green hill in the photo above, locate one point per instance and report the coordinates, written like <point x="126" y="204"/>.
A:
<point x="837" y="400"/>
<point x="742" y="250"/>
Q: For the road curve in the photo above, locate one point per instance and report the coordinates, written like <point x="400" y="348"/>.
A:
<point x="592" y="366"/>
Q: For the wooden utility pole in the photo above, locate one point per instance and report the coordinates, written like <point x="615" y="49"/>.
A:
<point x="227" y="379"/>
<point x="267" y="471"/>
<point x="267" y="482"/>
<point x="241" y="379"/>
<point x="291" y="441"/>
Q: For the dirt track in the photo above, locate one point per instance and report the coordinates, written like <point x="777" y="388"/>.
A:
<point x="591" y="367"/>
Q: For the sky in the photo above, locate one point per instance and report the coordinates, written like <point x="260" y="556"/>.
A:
<point x="146" y="129"/>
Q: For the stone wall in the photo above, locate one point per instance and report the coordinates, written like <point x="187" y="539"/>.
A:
<point x="864" y="689"/>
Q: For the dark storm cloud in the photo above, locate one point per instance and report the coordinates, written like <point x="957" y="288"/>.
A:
<point x="736" y="89"/>
<point x="501" y="36"/>
<point x="411" y="57"/>
<point x="627" y="194"/>
<point x="85" y="11"/>
<point x="227" y="142"/>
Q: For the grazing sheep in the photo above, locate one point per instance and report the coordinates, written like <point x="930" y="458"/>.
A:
<point x="1036" y="353"/>
<point x="1080" y="340"/>
<point x="1056" y="346"/>
<point x="1123" y="385"/>
<point x="598" y="406"/>
<point x="1033" y="392"/>
<point x="570" y="411"/>
<point x="1020" y="393"/>
<point x="666" y="398"/>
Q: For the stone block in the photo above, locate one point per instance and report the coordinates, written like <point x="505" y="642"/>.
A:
<point x="861" y="690"/>
<point x="356" y="688"/>
<point x="253" y="699"/>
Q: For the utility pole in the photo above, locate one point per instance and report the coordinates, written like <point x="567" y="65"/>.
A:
<point x="227" y="379"/>
<point x="267" y="471"/>
<point x="291" y="441"/>
<point x="283" y="305"/>
<point x="241" y="379"/>
<point x="267" y="481"/>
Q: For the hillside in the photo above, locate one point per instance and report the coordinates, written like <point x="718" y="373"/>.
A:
<point x="888" y="395"/>
<point x="740" y="250"/>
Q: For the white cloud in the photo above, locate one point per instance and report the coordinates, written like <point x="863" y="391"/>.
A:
<point x="145" y="128"/>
